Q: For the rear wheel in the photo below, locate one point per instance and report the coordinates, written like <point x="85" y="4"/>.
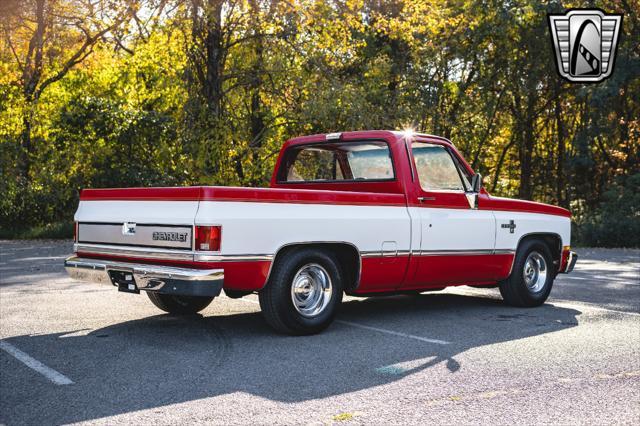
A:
<point x="179" y="305"/>
<point x="532" y="275"/>
<point x="303" y="293"/>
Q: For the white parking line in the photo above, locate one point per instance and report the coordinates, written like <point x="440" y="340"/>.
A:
<point x="34" y="364"/>
<point x="555" y="302"/>
<point x="379" y="330"/>
<point x="590" y="306"/>
<point x="394" y="333"/>
<point x="255" y="302"/>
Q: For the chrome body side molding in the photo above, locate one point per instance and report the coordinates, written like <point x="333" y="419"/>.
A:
<point x="461" y="252"/>
<point x="168" y="254"/>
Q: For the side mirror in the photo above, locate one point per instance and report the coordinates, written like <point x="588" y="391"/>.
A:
<point x="476" y="183"/>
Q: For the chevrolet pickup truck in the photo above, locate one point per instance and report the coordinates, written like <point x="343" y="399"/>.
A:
<point x="363" y="213"/>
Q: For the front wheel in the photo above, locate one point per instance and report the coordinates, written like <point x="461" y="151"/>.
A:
<point x="532" y="275"/>
<point x="179" y="305"/>
<point x="303" y="293"/>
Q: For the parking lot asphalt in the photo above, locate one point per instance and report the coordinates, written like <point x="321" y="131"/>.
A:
<point x="78" y="352"/>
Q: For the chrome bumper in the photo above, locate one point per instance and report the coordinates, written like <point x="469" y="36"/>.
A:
<point x="571" y="262"/>
<point x="163" y="279"/>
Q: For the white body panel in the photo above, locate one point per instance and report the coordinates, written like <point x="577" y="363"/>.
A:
<point x="529" y="223"/>
<point x="263" y="228"/>
<point x="455" y="229"/>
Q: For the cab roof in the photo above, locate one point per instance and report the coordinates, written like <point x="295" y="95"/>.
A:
<point x="363" y="134"/>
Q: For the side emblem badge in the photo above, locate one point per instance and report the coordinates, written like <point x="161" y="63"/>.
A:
<point x="128" y="228"/>
<point x="511" y="226"/>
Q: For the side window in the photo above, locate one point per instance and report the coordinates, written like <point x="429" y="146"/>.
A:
<point x="436" y="168"/>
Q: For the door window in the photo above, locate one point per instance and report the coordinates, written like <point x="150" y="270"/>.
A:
<point x="436" y="168"/>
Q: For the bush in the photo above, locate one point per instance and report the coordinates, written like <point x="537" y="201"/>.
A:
<point x="56" y="231"/>
<point x="616" y="222"/>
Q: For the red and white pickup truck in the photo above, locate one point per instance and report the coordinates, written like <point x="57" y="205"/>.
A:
<point x="362" y="213"/>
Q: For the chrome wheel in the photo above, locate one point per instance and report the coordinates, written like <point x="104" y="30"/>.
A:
<point x="535" y="272"/>
<point x="311" y="290"/>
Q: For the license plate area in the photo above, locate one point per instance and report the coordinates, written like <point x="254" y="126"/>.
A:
<point x="124" y="280"/>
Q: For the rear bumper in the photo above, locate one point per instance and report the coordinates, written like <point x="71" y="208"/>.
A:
<point x="161" y="279"/>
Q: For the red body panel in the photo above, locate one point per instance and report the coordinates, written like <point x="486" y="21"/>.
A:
<point x="188" y="193"/>
<point x="255" y="195"/>
<point x="489" y="202"/>
<point x="439" y="271"/>
<point x="250" y="276"/>
<point x="301" y="196"/>
<point x="382" y="273"/>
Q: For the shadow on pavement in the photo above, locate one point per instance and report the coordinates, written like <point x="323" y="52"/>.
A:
<point x="163" y="360"/>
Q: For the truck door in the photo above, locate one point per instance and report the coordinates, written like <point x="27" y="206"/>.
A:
<point x="457" y="239"/>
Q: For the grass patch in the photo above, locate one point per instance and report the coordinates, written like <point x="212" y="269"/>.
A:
<point x="55" y="231"/>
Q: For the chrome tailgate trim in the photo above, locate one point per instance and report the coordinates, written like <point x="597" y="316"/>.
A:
<point x="135" y="252"/>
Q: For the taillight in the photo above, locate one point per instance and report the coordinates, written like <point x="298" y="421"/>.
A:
<point x="75" y="232"/>
<point x="208" y="238"/>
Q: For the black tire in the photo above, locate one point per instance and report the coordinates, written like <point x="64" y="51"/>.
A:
<point x="179" y="305"/>
<point x="276" y="299"/>
<point x="514" y="290"/>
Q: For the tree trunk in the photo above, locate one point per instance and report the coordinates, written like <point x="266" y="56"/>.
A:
<point x="526" y="150"/>
<point x="215" y="58"/>
<point x="452" y="116"/>
<point x="488" y="130"/>
<point x="256" y="116"/>
<point x="26" y="145"/>
<point x="561" y="137"/>
<point x="31" y="74"/>
<point x="503" y="155"/>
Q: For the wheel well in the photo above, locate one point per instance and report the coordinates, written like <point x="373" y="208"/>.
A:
<point x="347" y="255"/>
<point x="553" y="241"/>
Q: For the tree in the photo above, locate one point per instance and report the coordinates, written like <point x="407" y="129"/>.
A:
<point x="47" y="38"/>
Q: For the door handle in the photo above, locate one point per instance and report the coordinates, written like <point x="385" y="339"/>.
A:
<point x="423" y="199"/>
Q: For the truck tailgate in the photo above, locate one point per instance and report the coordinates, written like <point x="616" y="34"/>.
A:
<point x="153" y="217"/>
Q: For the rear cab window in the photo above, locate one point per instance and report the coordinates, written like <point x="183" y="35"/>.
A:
<point x="337" y="162"/>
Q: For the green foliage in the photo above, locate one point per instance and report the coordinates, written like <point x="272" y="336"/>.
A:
<point x="616" y="222"/>
<point x="54" y="231"/>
